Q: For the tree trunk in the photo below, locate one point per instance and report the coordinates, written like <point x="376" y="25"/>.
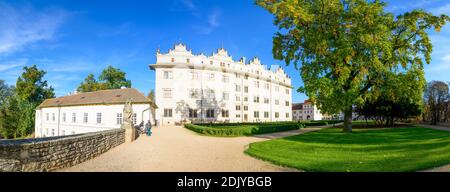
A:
<point x="348" y="120"/>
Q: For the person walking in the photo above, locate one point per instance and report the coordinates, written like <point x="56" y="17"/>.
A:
<point x="148" y="127"/>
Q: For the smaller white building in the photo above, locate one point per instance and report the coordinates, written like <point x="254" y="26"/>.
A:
<point x="90" y="112"/>
<point x="305" y="111"/>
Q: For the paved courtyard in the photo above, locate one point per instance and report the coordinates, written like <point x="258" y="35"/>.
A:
<point x="174" y="148"/>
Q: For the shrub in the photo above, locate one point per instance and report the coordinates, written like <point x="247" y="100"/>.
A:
<point x="243" y="129"/>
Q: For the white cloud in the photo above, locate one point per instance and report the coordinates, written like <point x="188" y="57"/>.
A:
<point x="13" y="64"/>
<point x="20" y="27"/>
<point x="211" y="24"/>
<point x="443" y="66"/>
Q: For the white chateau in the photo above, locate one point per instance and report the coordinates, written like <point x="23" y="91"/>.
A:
<point x="216" y="88"/>
<point x="90" y="112"/>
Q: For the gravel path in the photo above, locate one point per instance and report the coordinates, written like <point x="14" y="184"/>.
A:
<point x="174" y="148"/>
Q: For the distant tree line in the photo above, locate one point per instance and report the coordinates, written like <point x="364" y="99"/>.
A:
<point x="437" y="99"/>
<point x="18" y="103"/>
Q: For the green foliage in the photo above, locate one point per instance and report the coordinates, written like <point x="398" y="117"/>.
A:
<point x="151" y="95"/>
<point x="110" y="78"/>
<point x="243" y="129"/>
<point x="345" y="49"/>
<point x="31" y="87"/>
<point x="5" y="91"/>
<point x="16" y="118"/>
<point x="398" y="97"/>
<point x="381" y="150"/>
<point x="17" y="110"/>
<point x="114" y="78"/>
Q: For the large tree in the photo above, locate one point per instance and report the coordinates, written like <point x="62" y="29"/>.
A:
<point x="114" y="78"/>
<point x="17" y="110"/>
<point x="437" y="98"/>
<point x="110" y="78"/>
<point x="345" y="48"/>
<point x="31" y="86"/>
<point x="91" y="84"/>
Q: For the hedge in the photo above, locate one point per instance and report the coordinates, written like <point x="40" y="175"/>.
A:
<point x="242" y="129"/>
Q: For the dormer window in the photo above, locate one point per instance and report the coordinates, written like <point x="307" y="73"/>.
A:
<point x="173" y="60"/>
<point x="187" y="60"/>
<point x="211" y="62"/>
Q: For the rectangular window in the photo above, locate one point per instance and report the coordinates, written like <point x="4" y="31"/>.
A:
<point x="287" y="91"/>
<point x="238" y="107"/>
<point x="211" y="76"/>
<point x="266" y="114"/>
<point x="53" y="132"/>
<point x="47" y="117"/>
<point x="85" y="118"/>
<point x="194" y="75"/>
<point x="225" y="113"/>
<point x="245" y="108"/>
<point x="134" y="118"/>
<point x="287" y="103"/>
<point x="277" y="115"/>
<point x="245" y="99"/>
<point x="238" y="98"/>
<point x="167" y="112"/>
<point x="188" y="60"/>
<point x="53" y="117"/>
<point x="192" y="113"/>
<point x="168" y="75"/>
<point x="119" y="118"/>
<point x="256" y="83"/>
<point x="167" y="93"/>
<point x="225" y="79"/>
<point x="246" y="89"/>
<point x="277" y="102"/>
<point x="256" y="99"/>
<point x="210" y="113"/>
<point x="99" y="118"/>
<point x="74" y="117"/>
<point x="225" y="96"/>
<point x="64" y="117"/>
<point x="266" y="100"/>
<point x="287" y="115"/>
<point x="238" y="88"/>
<point x="266" y="86"/>
<point x="256" y="114"/>
<point x="238" y="115"/>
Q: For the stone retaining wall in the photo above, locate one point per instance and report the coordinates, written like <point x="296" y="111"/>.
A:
<point x="47" y="154"/>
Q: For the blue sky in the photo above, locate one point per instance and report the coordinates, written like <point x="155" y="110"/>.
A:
<point x="70" y="39"/>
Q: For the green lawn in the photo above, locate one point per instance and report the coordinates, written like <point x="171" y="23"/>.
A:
<point x="391" y="150"/>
